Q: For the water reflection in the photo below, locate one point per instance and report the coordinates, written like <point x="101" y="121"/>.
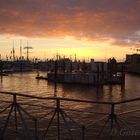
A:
<point x="27" y="83"/>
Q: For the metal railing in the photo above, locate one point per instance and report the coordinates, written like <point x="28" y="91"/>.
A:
<point x="58" y="111"/>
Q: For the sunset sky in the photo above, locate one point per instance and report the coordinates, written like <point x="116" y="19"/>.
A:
<point x="90" y="28"/>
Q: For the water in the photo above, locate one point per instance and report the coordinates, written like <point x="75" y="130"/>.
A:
<point x="26" y="83"/>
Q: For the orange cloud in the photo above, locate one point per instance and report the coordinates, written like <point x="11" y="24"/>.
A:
<point x="92" y="19"/>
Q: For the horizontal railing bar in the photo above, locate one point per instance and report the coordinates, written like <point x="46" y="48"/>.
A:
<point x="68" y="99"/>
<point x="55" y="98"/>
<point x="46" y="107"/>
<point x="127" y="101"/>
<point x="21" y="95"/>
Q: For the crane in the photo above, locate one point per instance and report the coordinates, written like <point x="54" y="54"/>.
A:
<point x="27" y="51"/>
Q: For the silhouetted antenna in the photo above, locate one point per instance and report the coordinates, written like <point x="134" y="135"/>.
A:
<point x="57" y="56"/>
<point x="75" y="57"/>
<point x="70" y="57"/>
<point x="28" y="48"/>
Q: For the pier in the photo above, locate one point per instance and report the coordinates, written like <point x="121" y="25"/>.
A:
<point x="41" y="118"/>
<point x="89" y="73"/>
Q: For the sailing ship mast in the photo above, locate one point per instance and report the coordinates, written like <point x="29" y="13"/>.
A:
<point x="20" y="49"/>
<point x="13" y="51"/>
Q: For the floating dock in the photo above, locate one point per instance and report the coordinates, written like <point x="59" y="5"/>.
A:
<point x="82" y="78"/>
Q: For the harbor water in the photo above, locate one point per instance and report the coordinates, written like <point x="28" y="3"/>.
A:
<point x="27" y="84"/>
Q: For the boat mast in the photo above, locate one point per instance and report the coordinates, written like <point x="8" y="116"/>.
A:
<point x="20" y="49"/>
<point x="13" y="51"/>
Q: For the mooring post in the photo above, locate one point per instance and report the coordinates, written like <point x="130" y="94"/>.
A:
<point x="58" y="117"/>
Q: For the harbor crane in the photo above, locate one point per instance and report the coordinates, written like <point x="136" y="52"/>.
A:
<point x="27" y="51"/>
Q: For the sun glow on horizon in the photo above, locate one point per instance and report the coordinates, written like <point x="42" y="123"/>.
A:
<point x="68" y="45"/>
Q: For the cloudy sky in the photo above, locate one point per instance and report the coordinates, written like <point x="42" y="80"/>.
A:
<point x="89" y="28"/>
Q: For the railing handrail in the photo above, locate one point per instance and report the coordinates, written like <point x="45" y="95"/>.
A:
<point x="68" y="99"/>
<point x="53" y="98"/>
<point x="57" y="111"/>
<point x="127" y="101"/>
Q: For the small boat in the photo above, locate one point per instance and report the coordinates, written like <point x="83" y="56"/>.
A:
<point x="3" y="74"/>
<point x="22" y="66"/>
<point x="10" y="71"/>
<point x="41" y="77"/>
<point x="116" y="79"/>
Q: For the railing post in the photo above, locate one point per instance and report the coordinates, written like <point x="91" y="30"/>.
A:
<point x="15" y="110"/>
<point x="55" y="77"/>
<point x="58" y="117"/>
<point x="83" y="132"/>
<point x="14" y="99"/>
<point x="112" y="115"/>
<point x="36" y="136"/>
